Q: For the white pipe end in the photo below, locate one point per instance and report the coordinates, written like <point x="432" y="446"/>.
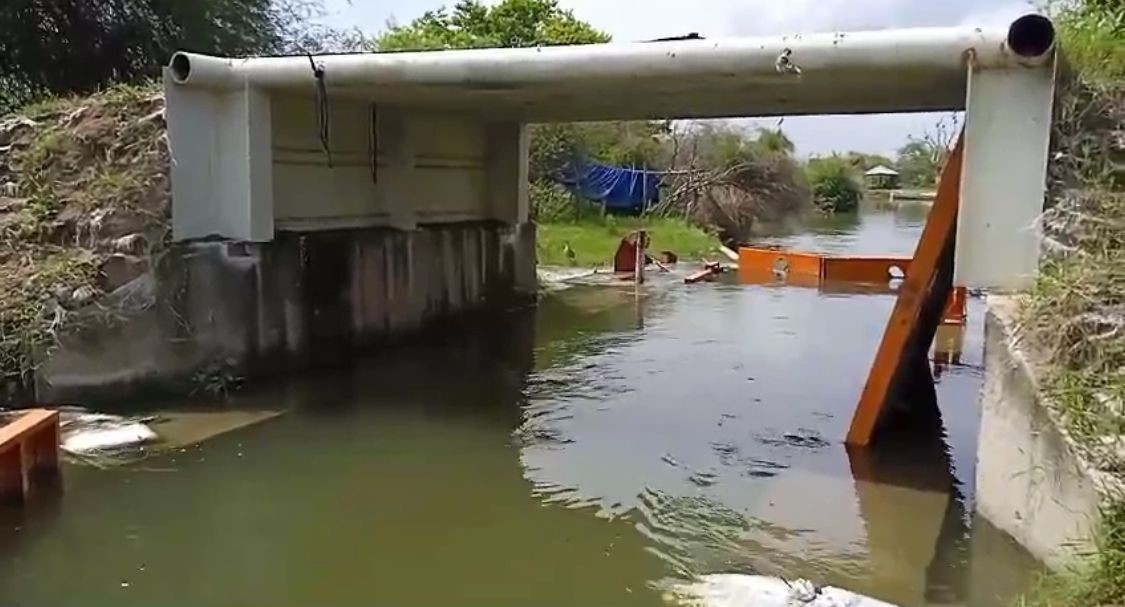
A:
<point x="180" y="66"/>
<point x="1031" y="38"/>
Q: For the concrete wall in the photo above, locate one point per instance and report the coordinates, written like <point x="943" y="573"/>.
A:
<point x="265" y="308"/>
<point x="428" y="168"/>
<point x="1031" y="481"/>
<point x="249" y="163"/>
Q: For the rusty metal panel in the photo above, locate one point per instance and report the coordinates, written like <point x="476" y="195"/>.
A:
<point x="873" y="270"/>
<point x="900" y="361"/>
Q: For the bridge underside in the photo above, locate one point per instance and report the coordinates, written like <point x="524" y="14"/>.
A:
<point x="320" y="211"/>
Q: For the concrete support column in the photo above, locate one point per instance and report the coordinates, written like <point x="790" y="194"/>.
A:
<point x="222" y="175"/>
<point x="507" y="168"/>
<point x="400" y="179"/>
<point x="1003" y="183"/>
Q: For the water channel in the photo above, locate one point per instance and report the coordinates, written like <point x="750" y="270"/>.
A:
<point x="586" y="452"/>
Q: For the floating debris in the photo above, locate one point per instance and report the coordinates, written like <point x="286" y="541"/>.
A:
<point x="703" y="479"/>
<point x="803" y="438"/>
<point x="736" y="590"/>
<point x="93" y="433"/>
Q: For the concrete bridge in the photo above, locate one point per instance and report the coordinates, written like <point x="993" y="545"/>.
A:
<point x="324" y="204"/>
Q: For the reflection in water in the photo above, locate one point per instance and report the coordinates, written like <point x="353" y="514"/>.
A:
<point x="576" y="454"/>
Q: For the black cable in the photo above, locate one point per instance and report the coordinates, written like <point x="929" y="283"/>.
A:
<point x="322" y="117"/>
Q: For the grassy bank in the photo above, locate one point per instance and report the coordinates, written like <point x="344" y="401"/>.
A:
<point x="82" y="180"/>
<point x="594" y="241"/>
<point x="1074" y="318"/>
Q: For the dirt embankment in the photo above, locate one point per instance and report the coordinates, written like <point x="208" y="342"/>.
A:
<point x="84" y="208"/>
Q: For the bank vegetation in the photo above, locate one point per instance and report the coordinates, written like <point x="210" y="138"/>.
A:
<point x="1074" y="318"/>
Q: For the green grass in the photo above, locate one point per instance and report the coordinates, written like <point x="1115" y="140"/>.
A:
<point x="594" y="241"/>
<point x="1072" y="318"/>
<point x="1096" y="581"/>
<point x="1090" y="34"/>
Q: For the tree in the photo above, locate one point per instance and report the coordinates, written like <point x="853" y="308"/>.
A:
<point x="774" y="141"/>
<point x="865" y="162"/>
<point x="472" y="24"/>
<point x="835" y="183"/>
<point x="77" y="46"/>
<point x="921" y="158"/>
<point x="917" y="166"/>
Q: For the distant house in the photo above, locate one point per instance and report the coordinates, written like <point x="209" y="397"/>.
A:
<point x="881" y="178"/>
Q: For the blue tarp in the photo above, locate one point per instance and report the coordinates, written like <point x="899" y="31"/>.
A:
<point x="624" y="191"/>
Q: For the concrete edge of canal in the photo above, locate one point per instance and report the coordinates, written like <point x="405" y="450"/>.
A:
<point x="1033" y="480"/>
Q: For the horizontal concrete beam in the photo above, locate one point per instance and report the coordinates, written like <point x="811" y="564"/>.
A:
<point x="863" y="72"/>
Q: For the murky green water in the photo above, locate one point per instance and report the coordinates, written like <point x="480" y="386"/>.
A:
<point x="577" y="454"/>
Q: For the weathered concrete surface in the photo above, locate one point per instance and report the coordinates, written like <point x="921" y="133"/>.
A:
<point x="1032" y="481"/>
<point x="302" y="300"/>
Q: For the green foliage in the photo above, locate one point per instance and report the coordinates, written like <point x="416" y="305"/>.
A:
<point x="634" y="143"/>
<point x="60" y="47"/>
<point x="722" y="146"/>
<point x="1092" y="36"/>
<point x="551" y="202"/>
<point x="594" y="240"/>
<point x="865" y="162"/>
<point x="917" y="164"/>
<point x="835" y="183"/>
<point x="217" y="378"/>
<point x="1072" y="317"/>
<point x="29" y="280"/>
<point x="1096" y="581"/>
<point x="473" y="24"/>
<point x="774" y="141"/>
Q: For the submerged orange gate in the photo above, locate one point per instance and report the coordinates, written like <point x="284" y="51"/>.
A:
<point x="926" y="299"/>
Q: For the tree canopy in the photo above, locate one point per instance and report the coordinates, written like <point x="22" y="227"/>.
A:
<point x="77" y="46"/>
<point x="472" y="24"/>
<point x="917" y="163"/>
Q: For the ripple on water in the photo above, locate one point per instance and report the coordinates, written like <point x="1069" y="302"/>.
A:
<point x="802" y="438"/>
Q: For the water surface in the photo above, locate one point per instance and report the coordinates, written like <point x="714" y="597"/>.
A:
<point x="581" y="453"/>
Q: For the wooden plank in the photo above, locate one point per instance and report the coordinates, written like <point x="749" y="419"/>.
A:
<point x="917" y="312"/>
<point x="12" y="479"/>
<point x="28" y="449"/>
<point x="27" y="424"/>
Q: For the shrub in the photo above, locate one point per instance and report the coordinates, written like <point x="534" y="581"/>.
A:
<point x="836" y="187"/>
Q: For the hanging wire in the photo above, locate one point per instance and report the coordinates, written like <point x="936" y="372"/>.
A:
<point x="322" y="117"/>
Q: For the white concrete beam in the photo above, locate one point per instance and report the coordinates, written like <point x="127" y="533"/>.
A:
<point x="1003" y="177"/>
<point x="858" y="72"/>
<point x="221" y="169"/>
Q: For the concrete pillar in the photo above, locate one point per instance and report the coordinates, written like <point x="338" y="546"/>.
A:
<point x="399" y="180"/>
<point x="1003" y="184"/>
<point x="507" y="167"/>
<point x="222" y="177"/>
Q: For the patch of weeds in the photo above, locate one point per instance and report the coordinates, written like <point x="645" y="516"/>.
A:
<point x="217" y="378"/>
<point x="32" y="283"/>
<point x="76" y="163"/>
<point x="1074" y="318"/>
<point x="1098" y="579"/>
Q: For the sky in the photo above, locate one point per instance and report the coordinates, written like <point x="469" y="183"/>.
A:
<point x="628" y="20"/>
